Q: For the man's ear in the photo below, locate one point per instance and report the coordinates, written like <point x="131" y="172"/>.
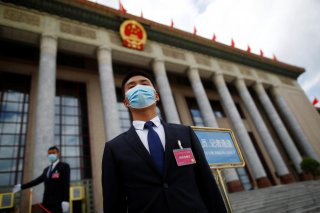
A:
<point x="126" y="103"/>
<point x="157" y="96"/>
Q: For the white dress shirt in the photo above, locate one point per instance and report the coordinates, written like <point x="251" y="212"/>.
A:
<point x="53" y="165"/>
<point x="143" y="133"/>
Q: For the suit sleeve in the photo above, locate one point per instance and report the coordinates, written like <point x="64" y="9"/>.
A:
<point x="34" y="182"/>
<point x="66" y="183"/>
<point x="205" y="180"/>
<point x="114" y="200"/>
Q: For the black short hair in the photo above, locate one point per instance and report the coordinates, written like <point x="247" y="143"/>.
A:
<point x="132" y="74"/>
<point x="54" y="148"/>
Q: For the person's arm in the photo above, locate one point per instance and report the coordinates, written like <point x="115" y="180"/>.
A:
<point x="34" y="182"/>
<point x="66" y="183"/>
<point x="205" y="180"/>
<point x="114" y="200"/>
<point x="66" y="188"/>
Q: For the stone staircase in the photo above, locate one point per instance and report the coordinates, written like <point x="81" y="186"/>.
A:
<point x="301" y="197"/>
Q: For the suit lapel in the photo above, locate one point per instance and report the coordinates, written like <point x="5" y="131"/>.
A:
<point x="170" y="145"/>
<point x="134" y="142"/>
<point x="46" y="170"/>
<point x="57" y="166"/>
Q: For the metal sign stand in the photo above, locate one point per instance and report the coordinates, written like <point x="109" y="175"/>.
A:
<point x="223" y="188"/>
<point x="220" y="140"/>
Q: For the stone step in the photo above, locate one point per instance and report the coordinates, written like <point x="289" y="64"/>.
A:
<point x="264" y="195"/>
<point x="236" y="201"/>
<point x="276" y="207"/>
<point x="296" y="197"/>
<point x="312" y="209"/>
<point x="277" y="199"/>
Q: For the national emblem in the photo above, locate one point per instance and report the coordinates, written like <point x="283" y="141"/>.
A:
<point x="133" y="35"/>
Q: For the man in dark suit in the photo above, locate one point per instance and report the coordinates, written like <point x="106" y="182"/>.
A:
<point x="141" y="177"/>
<point x="56" y="178"/>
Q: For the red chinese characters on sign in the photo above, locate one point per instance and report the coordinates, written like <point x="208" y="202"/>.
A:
<point x="133" y="35"/>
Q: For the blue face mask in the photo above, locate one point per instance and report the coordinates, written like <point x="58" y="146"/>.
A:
<point x="52" y="157"/>
<point x="141" y="96"/>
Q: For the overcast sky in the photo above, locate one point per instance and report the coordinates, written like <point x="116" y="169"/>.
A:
<point x="290" y="29"/>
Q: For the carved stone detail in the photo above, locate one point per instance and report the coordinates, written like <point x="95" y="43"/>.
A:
<point x="115" y="39"/>
<point x="287" y="81"/>
<point x="77" y="30"/>
<point x="202" y="60"/>
<point x="245" y="71"/>
<point x="225" y="66"/>
<point x="263" y="75"/>
<point x="147" y="48"/>
<point x="170" y="52"/>
<point x="18" y="16"/>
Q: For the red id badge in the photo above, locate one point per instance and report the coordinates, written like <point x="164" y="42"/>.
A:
<point x="184" y="156"/>
<point x="55" y="175"/>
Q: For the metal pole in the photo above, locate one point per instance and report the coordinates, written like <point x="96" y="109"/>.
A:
<point x="70" y="200"/>
<point x="30" y="200"/>
<point x="222" y="185"/>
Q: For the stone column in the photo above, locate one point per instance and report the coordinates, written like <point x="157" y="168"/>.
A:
<point x="273" y="151"/>
<point x="44" y="125"/>
<point x="230" y="175"/>
<point x="249" y="150"/>
<point x="293" y="124"/>
<point x="108" y="92"/>
<point x="202" y="99"/>
<point x="165" y="92"/>
<point x="279" y="126"/>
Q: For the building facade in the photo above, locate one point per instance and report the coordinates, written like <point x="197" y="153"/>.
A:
<point x="61" y="65"/>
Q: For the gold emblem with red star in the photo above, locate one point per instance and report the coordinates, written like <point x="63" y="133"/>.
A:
<point x="133" y="35"/>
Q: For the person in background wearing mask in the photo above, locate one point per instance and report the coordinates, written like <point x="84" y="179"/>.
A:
<point x="56" y="178"/>
<point x="155" y="167"/>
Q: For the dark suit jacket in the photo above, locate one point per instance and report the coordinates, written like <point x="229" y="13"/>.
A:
<point x="131" y="181"/>
<point x="56" y="187"/>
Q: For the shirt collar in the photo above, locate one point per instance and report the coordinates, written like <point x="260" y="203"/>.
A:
<point x="139" y="125"/>
<point x="55" y="163"/>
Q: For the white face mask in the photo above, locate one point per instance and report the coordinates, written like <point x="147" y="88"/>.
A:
<point x="52" y="157"/>
<point x="141" y="96"/>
